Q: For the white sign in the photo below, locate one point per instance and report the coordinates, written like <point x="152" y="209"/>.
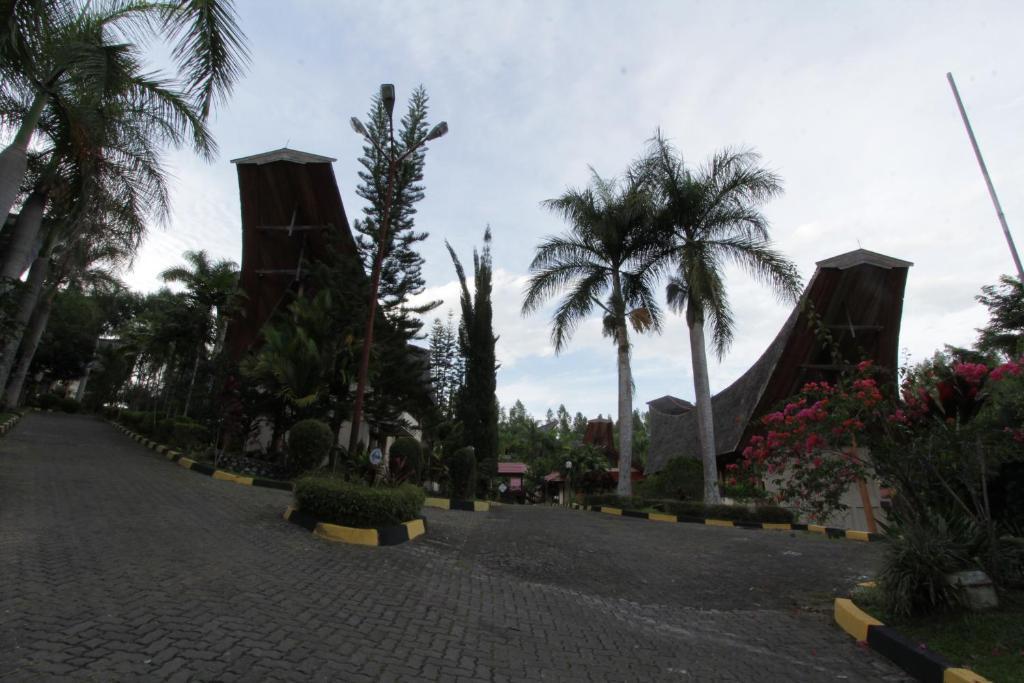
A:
<point x="376" y="457"/>
<point x="502" y="487"/>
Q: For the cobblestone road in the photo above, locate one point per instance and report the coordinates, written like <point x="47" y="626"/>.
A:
<point x="116" y="565"/>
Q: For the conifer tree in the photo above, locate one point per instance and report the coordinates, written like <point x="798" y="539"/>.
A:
<point x="401" y="272"/>
<point x="477" y="408"/>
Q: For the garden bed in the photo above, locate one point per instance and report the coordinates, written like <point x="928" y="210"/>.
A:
<point x="990" y="643"/>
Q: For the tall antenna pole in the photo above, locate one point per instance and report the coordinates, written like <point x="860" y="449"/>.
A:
<point x="988" y="180"/>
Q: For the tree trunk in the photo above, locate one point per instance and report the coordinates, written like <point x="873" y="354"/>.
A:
<point x="18" y="255"/>
<point x="28" y="349"/>
<point x="192" y="382"/>
<point x="625" y="487"/>
<point x="14" y="158"/>
<point x="702" y="390"/>
<point x="27" y="304"/>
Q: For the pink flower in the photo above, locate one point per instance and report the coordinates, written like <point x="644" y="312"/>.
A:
<point x="973" y="373"/>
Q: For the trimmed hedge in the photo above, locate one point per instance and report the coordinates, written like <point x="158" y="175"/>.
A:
<point x="309" y="442"/>
<point x="334" y="500"/>
<point x="736" y="513"/>
<point x="462" y="473"/>
<point x="612" y="500"/>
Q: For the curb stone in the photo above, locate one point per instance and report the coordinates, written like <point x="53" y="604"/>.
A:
<point x="201" y="467"/>
<point x="453" y="504"/>
<point x="831" y="532"/>
<point x="389" y="535"/>
<point x="9" y="424"/>
<point x="914" y="658"/>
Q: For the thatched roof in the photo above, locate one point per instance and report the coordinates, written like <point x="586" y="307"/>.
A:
<point x="858" y="297"/>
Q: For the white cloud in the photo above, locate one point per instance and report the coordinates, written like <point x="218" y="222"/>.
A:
<point x="847" y="101"/>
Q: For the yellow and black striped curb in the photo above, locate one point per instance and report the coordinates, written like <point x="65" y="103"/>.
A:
<point x="452" y="504"/>
<point x="8" y="425"/>
<point x="916" y="660"/>
<point x="389" y="535"/>
<point x="831" y="532"/>
<point x="202" y="467"/>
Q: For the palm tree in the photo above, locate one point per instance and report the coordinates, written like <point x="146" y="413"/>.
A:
<point x="605" y="261"/>
<point x="83" y="262"/>
<point x="208" y="287"/>
<point x="711" y="217"/>
<point x="50" y="49"/>
<point x="107" y="195"/>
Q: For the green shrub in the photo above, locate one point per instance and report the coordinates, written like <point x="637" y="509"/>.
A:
<point x="68" y="405"/>
<point x="921" y="550"/>
<point x="334" y="500"/>
<point x="405" y="459"/>
<point x="462" y="473"/>
<point x="309" y="442"/>
<point x="612" y="500"/>
<point x="189" y="436"/>
<point x="743" y="491"/>
<point x="682" y="479"/>
<point x="48" y="401"/>
<point x="736" y="513"/>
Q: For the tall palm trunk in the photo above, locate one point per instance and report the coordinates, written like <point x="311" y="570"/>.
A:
<point x="14" y="158"/>
<point x="625" y="487"/>
<point x="192" y="382"/>
<point x="40" y="318"/>
<point x="18" y="255"/>
<point x="27" y="304"/>
<point x="702" y="389"/>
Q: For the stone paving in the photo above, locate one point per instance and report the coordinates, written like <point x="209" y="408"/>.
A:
<point x="116" y="565"/>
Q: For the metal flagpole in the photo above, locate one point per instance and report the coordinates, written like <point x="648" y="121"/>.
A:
<point x="988" y="180"/>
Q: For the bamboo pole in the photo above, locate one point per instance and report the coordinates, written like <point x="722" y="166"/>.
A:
<point x="988" y="180"/>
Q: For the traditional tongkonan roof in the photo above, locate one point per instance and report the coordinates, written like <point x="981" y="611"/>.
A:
<point x="857" y="298"/>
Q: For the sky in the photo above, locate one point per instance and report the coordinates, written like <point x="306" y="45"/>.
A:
<point x="847" y="101"/>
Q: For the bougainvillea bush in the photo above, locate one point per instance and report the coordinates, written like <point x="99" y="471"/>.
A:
<point x="940" y="443"/>
<point x="809" y="448"/>
<point x="941" y="439"/>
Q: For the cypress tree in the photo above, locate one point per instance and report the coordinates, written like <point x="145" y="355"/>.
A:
<point x="477" y="405"/>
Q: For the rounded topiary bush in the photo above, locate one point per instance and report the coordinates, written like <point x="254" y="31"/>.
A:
<point x="69" y="405"/>
<point x="405" y="459"/>
<point x="334" y="500"/>
<point x="462" y="473"/>
<point x="309" y="442"/>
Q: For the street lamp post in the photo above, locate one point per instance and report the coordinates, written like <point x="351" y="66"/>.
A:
<point x="387" y="96"/>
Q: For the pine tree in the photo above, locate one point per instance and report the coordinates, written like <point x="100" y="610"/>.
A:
<point x="446" y="365"/>
<point x="401" y="272"/>
<point x="564" y="423"/>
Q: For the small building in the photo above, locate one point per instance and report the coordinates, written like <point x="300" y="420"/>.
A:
<point x="513" y="474"/>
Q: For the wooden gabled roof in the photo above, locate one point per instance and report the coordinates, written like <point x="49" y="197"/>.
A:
<point x="284" y="154"/>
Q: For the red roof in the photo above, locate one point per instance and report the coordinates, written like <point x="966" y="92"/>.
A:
<point x="512" y="468"/>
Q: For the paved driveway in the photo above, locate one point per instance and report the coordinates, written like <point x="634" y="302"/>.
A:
<point x="117" y="565"/>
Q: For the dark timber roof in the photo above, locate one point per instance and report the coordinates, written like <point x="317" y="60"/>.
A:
<point x="859" y="299"/>
<point x="284" y="154"/>
<point x="291" y="212"/>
